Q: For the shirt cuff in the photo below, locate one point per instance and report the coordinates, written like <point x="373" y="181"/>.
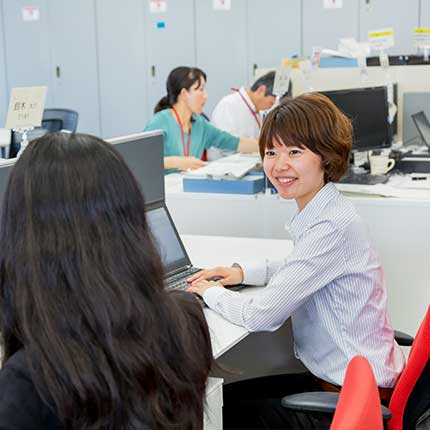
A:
<point x="254" y="273"/>
<point x="211" y="296"/>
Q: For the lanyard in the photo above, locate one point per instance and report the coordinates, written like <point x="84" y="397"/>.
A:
<point x="186" y="152"/>
<point x="254" y="114"/>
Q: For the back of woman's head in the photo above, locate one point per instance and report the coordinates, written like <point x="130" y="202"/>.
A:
<point x="313" y="121"/>
<point x="81" y="290"/>
<point x="179" y="78"/>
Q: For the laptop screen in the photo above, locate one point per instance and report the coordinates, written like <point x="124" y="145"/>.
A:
<point x="167" y="239"/>
<point x="423" y="126"/>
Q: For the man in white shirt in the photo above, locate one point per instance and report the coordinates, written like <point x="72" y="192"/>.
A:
<point x="239" y="113"/>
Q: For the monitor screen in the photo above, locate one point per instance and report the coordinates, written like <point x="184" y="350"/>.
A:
<point x="143" y="153"/>
<point x="166" y="237"/>
<point x="368" y="110"/>
<point x="423" y="125"/>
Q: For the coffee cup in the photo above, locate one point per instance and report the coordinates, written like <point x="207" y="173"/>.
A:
<point x="380" y="164"/>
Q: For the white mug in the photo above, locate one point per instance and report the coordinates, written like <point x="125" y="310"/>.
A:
<point x="380" y="164"/>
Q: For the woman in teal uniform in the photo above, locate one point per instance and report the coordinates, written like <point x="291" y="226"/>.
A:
<point x="186" y="132"/>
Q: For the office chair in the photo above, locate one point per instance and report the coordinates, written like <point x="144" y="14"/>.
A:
<point x="409" y="407"/>
<point x="60" y="119"/>
<point x="358" y="406"/>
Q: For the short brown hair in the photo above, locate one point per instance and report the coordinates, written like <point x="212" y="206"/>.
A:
<point x="313" y="121"/>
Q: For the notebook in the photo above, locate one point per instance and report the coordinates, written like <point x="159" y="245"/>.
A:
<point x="177" y="265"/>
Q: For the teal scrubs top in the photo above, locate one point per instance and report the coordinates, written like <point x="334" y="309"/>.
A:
<point x="203" y="135"/>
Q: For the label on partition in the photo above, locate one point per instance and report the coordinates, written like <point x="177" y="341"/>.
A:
<point x="422" y="37"/>
<point x="381" y="39"/>
<point x="26" y="107"/>
<point x="157" y="6"/>
<point x="30" y="13"/>
<point x="333" y="4"/>
<point x="222" y="4"/>
<point x="282" y="81"/>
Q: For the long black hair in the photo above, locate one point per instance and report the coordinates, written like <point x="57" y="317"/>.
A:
<point x="81" y="291"/>
<point x="179" y="78"/>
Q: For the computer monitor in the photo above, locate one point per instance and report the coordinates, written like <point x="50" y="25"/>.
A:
<point x="5" y="169"/>
<point x="143" y="153"/>
<point x="368" y="110"/>
<point x="423" y="125"/>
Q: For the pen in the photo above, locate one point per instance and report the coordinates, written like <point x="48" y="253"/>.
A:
<point x="419" y="178"/>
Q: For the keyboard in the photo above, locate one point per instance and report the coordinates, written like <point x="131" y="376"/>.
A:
<point x="179" y="281"/>
<point x="224" y="169"/>
<point x="363" y="179"/>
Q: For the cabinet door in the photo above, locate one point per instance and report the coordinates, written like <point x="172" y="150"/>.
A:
<point x="221" y="47"/>
<point x="27" y="44"/>
<point x="425" y="14"/>
<point x="170" y="43"/>
<point x="274" y="32"/>
<point x="74" y="60"/>
<point x="401" y="15"/>
<point x="325" y="27"/>
<point x="4" y="96"/>
<point x="122" y="73"/>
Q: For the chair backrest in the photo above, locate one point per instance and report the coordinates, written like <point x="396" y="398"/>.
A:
<point x="414" y="382"/>
<point x="359" y="406"/>
<point x="66" y="119"/>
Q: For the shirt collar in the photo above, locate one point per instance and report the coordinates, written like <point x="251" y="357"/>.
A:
<point x="312" y="210"/>
<point x="242" y="91"/>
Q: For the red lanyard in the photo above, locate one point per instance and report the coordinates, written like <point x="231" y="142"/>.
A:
<point x="254" y="114"/>
<point x="186" y="152"/>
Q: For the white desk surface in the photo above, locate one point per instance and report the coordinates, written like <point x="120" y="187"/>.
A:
<point x="208" y="251"/>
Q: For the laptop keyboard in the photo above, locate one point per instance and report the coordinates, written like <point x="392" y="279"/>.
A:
<point x="179" y="281"/>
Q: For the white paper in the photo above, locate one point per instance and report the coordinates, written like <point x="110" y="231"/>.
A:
<point x="282" y="81"/>
<point x="381" y="39"/>
<point x="333" y="4"/>
<point x="421" y="37"/>
<point x="26" y="107"/>
<point x="222" y="4"/>
<point x="30" y="13"/>
<point x="157" y="6"/>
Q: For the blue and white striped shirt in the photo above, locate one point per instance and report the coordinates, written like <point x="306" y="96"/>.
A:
<point x="331" y="285"/>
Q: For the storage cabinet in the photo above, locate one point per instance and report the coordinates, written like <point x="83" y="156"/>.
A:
<point x="221" y="47"/>
<point x="400" y="15"/>
<point x="274" y="32"/>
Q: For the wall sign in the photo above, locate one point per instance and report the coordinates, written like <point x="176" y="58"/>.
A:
<point x="333" y="4"/>
<point x="30" y="13"/>
<point x="157" y="6"/>
<point x="381" y="39"/>
<point x="222" y="4"/>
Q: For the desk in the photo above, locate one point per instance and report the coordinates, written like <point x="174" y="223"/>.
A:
<point x="255" y="354"/>
<point x="399" y="229"/>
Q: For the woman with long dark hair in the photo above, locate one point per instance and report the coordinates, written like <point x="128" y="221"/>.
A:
<point x="90" y="337"/>
<point x="186" y="132"/>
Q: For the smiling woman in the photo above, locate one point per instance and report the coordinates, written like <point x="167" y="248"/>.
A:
<point x="331" y="285"/>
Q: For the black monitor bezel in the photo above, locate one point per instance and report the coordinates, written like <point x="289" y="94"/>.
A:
<point x="388" y="130"/>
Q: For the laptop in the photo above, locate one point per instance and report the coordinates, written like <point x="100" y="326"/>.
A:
<point x="176" y="262"/>
<point x="423" y="125"/>
<point x="177" y="265"/>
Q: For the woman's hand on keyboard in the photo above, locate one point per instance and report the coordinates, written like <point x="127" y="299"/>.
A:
<point x="225" y="275"/>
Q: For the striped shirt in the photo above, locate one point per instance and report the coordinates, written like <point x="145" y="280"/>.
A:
<point x="332" y="286"/>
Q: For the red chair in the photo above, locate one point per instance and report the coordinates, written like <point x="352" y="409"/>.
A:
<point x="411" y="396"/>
<point x="358" y="407"/>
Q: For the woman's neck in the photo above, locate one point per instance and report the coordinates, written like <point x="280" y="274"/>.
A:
<point x="184" y="114"/>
